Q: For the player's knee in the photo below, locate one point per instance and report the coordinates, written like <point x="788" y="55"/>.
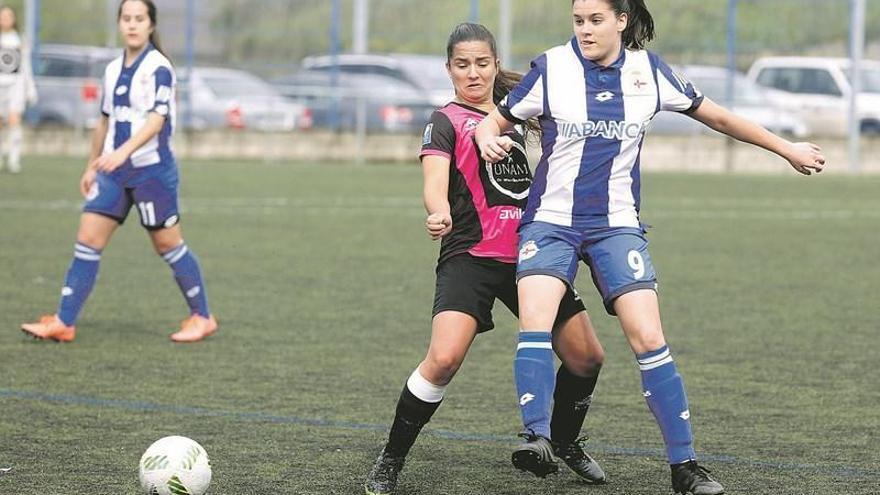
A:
<point x="589" y="364"/>
<point x="646" y="340"/>
<point x="442" y="367"/>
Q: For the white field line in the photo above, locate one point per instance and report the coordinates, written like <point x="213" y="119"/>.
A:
<point x="657" y="207"/>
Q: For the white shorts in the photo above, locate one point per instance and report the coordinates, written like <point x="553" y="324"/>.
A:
<point x="12" y="98"/>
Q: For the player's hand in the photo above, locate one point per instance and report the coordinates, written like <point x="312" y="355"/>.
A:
<point x="88" y="178"/>
<point x="438" y="225"/>
<point x="111" y="161"/>
<point x="496" y="148"/>
<point x="806" y="158"/>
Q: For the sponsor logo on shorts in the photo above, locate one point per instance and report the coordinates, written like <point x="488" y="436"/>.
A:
<point x="172" y="221"/>
<point x="94" y="191"/>
<point x="528" y="250"/>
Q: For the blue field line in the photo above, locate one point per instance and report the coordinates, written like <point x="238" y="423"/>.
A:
<point x="138" y="406"/>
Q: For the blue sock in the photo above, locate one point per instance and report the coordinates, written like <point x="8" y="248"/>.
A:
<point x="78" y="283"/>
<point x="663" y="389"/>
<point x="189" y="278"/>
<point x="535" y="380"/>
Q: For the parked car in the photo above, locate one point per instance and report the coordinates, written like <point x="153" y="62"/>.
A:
<point x="750" y="101"/>
<point x="819" y="89"/>
<point x="390" y="105"/>
<point x="426" y="73"/>
<point x="235" y="99"/>
<point x="68" y="80"/>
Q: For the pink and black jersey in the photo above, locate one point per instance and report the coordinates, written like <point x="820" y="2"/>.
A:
<point x="486" y="199"/>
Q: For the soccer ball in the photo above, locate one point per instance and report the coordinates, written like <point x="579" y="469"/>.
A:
<point x="175" y="466"/>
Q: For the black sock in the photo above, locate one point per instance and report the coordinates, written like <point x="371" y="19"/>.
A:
<point x="571" y="400"/>
<point x="411" y="415"/>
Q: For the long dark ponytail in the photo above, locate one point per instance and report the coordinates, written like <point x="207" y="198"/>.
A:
<point x="151" y="12"/>
<point x="640" y="25"/>
<point x="505" y="80"/>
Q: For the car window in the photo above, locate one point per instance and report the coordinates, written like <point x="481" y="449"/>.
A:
<point x="234" y="87"/>
<point x="800" y="80"/>
<point x="870" y="79"/>
<point x="50" y="66"/>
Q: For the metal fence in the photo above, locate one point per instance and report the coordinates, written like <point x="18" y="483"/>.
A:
<point x="271" y="38"/>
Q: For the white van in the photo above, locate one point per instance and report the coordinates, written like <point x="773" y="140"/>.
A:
<point x="819" y="89"/>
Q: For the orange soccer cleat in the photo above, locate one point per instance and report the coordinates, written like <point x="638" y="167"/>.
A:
<point x="50" y="327"/>
<point x="195" y="328"/>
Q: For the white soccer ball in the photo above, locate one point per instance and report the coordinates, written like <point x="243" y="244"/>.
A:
<point x="175" y="466"/>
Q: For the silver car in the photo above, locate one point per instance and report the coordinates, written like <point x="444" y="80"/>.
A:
<point x="68" y="79"/>
<point x="230" y="98"/>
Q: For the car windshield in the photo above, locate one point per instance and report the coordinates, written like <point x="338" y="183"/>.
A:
<point x="870" y="79"/>
<point x="715" y="87"/>
<point x="428" y="72"/>
<point x="237" y="86"/>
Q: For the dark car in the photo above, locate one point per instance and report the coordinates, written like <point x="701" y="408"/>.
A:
<point x="389" y="105"/>
<point x="68" y="79"/>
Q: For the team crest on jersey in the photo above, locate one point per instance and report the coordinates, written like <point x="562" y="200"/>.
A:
<point x="507" y="182"/>
<point x="528" y="250"/>
<point x="470" y="125"/>
<point x="10" y="60"/>
<point x="634" y="82"/>
<point x="426" y="137"/>
<point x="121" y="90"/>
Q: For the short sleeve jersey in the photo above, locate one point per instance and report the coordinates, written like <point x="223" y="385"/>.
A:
<point x="486" y="199"/>
<point x="130" y="95"/>
<point x="593" y="121"/>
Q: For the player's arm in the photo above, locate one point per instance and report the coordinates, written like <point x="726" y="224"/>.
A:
<point x="112" y="161"/>
<point x="98" y="137"/>
<point x="493" y="145"/>
<point x="803" y="157"/>
<point x="435" y="170"/>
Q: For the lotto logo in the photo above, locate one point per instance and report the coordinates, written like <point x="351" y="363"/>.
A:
<point x="526" y="398"/>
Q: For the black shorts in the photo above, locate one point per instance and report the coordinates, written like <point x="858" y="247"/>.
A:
<point x="470" y="285"/>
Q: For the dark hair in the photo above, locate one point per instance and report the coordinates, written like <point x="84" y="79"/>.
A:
<point x="505" y="80"/>
<point x="640" y="26"/>
<point x="151" y="12"/>
<point x="7" y="7"/>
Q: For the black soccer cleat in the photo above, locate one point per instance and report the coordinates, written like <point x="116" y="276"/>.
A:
<point x="383" y="478"/>
<point x="535" y="455"/>
<point x="690" y="477"/>
<point x="580" y="462"/>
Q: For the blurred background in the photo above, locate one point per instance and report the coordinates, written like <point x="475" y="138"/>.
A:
<point x="357" y="79"/>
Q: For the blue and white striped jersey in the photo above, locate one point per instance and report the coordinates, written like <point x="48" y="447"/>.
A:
<point x="593" y="120"/>
<point x="130" y="94"/>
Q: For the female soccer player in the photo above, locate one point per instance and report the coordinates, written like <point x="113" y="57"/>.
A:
<point x="16" y="85"/>
<point x="131" y="164"/>
<point x="474" y="207"/>
<point x="594" y="97"/>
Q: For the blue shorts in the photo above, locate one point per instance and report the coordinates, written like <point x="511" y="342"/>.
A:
<point x="617" y="256"/>
<point x="152" y="189"/>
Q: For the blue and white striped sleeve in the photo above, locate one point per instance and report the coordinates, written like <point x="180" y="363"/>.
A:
<point x="675" y="93"/>
<point x="164" y="82"/>
<point x="526" y="100"/>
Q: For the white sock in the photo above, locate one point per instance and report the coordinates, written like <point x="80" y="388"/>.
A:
<point x="14" y="135"/>
<point x="423" y="389"/>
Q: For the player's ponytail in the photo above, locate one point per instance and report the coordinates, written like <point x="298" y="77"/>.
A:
<point x="505" y="80"/>
<point x="151" y="12"/>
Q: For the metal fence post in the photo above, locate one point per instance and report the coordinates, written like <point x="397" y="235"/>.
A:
<point x="856" y="52"/>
